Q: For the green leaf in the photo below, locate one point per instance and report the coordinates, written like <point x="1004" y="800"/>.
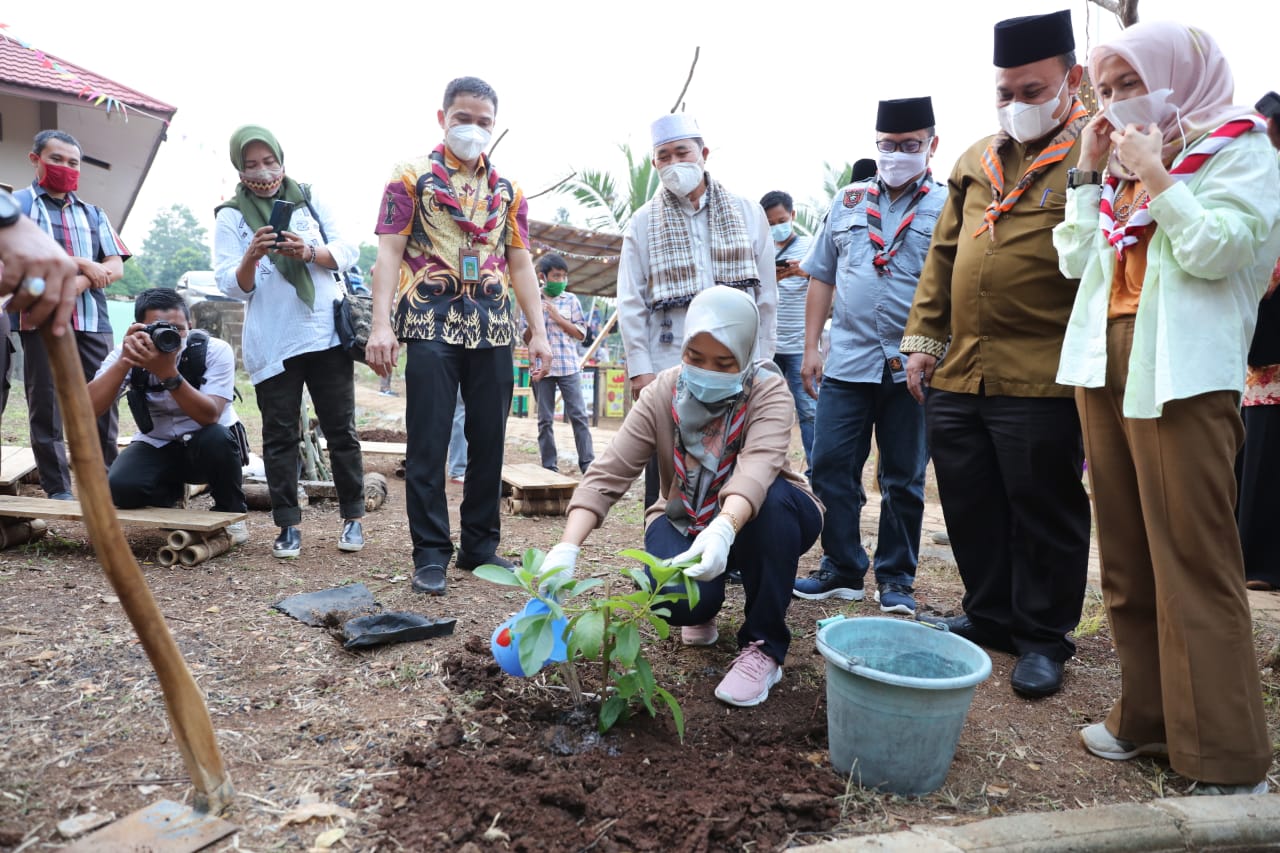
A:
<point x="639" y="578"/>
<point x="610" y="711"/>
<point x="692" y="594"/>
<point x="535" y="646"/>
<point x="660" y="626"/>
<point x="643" y="556"/>
<point x="676" y="713"/>
<point x="496" y="574"/>
<point x="628" y="644"/>
<point x="577" y="587"/>
<point x="587" y="633"/>
<point x="533" y="558"/>
<point x="644" y="675"/>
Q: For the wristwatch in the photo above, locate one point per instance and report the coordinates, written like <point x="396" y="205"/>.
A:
<point x="10" y="210"/>
<point x="1079" y="178"/>
<point x="171" y="383"/>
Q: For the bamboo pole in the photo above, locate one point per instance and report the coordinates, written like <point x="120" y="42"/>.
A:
<point x="595" y="345"/>
<point x="188" y="714"/>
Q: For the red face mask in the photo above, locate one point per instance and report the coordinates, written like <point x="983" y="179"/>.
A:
<point x="60" y="179"/>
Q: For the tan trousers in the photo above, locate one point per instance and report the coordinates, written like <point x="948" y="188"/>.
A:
<point x="1173" y="575"/>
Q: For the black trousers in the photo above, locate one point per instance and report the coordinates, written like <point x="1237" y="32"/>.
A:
<point x="434" y="372"/>
<point x="43" y="415"/>
<point x="330" y="380"/>
<point x="1010" y="478"/>
<point x="6" y="360"/>
<point x="1258" y="473"/>
<point x="143" y="475"/>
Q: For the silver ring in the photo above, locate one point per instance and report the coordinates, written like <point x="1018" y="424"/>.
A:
<point x="33" y="286"/>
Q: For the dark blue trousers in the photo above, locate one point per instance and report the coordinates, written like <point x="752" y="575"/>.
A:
<point x="766" y="552"/>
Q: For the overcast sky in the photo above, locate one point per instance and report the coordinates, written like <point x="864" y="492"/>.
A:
<point x="351" y="88"/>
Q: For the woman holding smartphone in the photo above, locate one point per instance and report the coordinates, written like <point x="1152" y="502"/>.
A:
<point x="287" y="277"/>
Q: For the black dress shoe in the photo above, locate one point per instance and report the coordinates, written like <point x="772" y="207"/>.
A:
<point x="1036" y="676"/>
<point x="288" y="543"/>
<point x="468" y="564"/>
<point x="962" y="626"/>
<point x="429" y="579"/>
<point x="352" y="538"/>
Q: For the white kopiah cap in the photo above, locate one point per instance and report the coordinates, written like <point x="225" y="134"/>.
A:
<point x="674" y="126"/>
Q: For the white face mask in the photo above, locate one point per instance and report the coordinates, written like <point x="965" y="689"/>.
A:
<point x="466" y="141"/>
<point x="1144" y="110"/>
<point x="681" y="178"/>
<point x="1028" y="122"/>
<point x="898" y="168"/>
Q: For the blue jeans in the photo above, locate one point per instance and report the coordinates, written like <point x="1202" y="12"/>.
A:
<point x="790" y="364"/>
<point x="457" y="465"/>
<point x="766" y="552"/>
<point x="847" y="413"/>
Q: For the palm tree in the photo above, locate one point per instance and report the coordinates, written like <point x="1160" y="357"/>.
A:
<point x="808" y="219"/>
<point x="609" y="209"/>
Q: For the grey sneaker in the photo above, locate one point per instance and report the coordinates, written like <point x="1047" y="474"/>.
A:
<point x="1103" y="744"/>
<point x="239" y="533"/>
<point x="1203" y="790"/>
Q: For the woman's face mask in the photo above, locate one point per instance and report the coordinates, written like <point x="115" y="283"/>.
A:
<point x="710" y="386"/>
<point x="264" y="182"/>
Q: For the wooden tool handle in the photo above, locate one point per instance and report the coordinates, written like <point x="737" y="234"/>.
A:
<point x="188" y="714"/>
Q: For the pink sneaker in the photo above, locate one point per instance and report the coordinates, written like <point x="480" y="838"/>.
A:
<point x="749" y="678"/>
<point x="700" y="635"/>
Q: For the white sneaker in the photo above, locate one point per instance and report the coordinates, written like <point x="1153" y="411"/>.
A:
<point x="1103" y="744"/>
<point x="239" y="533"/>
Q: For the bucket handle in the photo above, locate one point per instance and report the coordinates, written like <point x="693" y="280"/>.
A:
<point x="832" y="655"/>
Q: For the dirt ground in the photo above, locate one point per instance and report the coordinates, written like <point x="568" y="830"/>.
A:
<point x="427" y="746"/>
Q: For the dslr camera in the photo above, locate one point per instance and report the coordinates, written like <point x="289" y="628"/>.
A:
<point x="165" y="336"/>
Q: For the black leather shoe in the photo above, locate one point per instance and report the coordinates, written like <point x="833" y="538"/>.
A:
<point x="352" y="538"/>
<point x="468" y="564"/>
<point x="429" y="579"/>
<point x="1036" y="676"/>
<point x="962" y="626"/>
<point x="288" y="543"/>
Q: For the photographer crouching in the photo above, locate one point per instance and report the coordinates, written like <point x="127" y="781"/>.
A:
<point x="178" y="382"/>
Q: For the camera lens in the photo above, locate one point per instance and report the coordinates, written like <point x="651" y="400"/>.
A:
<point x="166" y="339"/>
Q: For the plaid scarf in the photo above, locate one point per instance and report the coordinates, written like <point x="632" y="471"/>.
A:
<point x="442" y="192"/>
<point x="673" y="275"/>
<point x="1125" y="234"/>
<point x="1055" y="152"/>
<point x="875" y="225"/>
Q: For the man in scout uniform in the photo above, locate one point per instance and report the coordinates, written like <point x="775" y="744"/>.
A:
<point x="693" y="234"/>
<point x="453" y="239"/>
<point x="1004" y="435"/>
<point x="866" y="262"/>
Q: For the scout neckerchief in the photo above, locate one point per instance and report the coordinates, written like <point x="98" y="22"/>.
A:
<point x="701" y="494"/>
<point x="444" y="196"/>
<point x="1054" y="152"/>
<point x="673" y="268"/>
<point x="1123" y="234"/>
<point x="874" y="226"/>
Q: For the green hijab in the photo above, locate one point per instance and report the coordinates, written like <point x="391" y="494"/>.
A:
<point x="257" y="211"/>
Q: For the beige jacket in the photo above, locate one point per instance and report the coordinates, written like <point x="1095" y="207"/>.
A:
<point x="649" y="428"/>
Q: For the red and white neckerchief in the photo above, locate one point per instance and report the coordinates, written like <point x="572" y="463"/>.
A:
<point x="1125" y="234"/>
<point x="442" y="192"/>
<point x="709" y="505"/>
<point x="875" y="225"/>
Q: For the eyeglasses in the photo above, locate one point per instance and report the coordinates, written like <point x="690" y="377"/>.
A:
<point x="908" y="146"/>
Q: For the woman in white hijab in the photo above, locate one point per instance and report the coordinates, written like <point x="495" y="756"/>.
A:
<point x="1172" y="247"/>
<point x="720" y="424"/>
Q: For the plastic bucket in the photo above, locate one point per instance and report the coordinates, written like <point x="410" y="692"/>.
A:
<point x="898" y="693"/>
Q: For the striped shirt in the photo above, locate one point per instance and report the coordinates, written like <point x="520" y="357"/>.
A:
<point x="564" y="347"/>
<point x="792" y="293"/>
<point x="71" y="222"/>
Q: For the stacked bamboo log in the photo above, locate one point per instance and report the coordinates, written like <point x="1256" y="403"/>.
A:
<point x="191" y="549"/>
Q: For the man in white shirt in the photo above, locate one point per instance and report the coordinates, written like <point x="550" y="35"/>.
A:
<point x="693" y="234"/>
<point x="179" y="382"/>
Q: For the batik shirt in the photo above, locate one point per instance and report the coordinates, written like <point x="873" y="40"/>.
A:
<point x="432" y="302"/>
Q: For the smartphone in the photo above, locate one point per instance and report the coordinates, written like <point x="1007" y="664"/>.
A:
<point x="780" y="264"/>
<point x="1269" y="105"/>
<point x="281" y="213"/>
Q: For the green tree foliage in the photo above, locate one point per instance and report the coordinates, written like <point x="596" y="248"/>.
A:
<point x="610" y="203"/>
<point x="175" y="245"/>
<point x="809" y="216"/>
<point x="133" y="282"/>
<point x="368" y="254"/>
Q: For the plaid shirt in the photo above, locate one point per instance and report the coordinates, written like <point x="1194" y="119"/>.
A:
<point x="564" y="347"/>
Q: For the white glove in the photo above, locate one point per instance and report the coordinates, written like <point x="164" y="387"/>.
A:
<point x="712" y="545"/>
<point x="562" y="556"/>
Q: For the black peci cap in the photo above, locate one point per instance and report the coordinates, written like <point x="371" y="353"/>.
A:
<point x="904" y="115"/>
<point x="1021" y="41"/>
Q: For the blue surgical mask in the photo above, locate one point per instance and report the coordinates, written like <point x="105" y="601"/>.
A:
<point x="710" y="386"/>
<point x="780" y="232"/>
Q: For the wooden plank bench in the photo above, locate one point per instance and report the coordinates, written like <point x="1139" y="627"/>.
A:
<point x="194" y="535"/>
<point x="15" y="463"/>
<point x="534" y="490"/>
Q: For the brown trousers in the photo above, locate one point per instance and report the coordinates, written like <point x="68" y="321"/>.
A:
<point x="1173" y="575"/>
